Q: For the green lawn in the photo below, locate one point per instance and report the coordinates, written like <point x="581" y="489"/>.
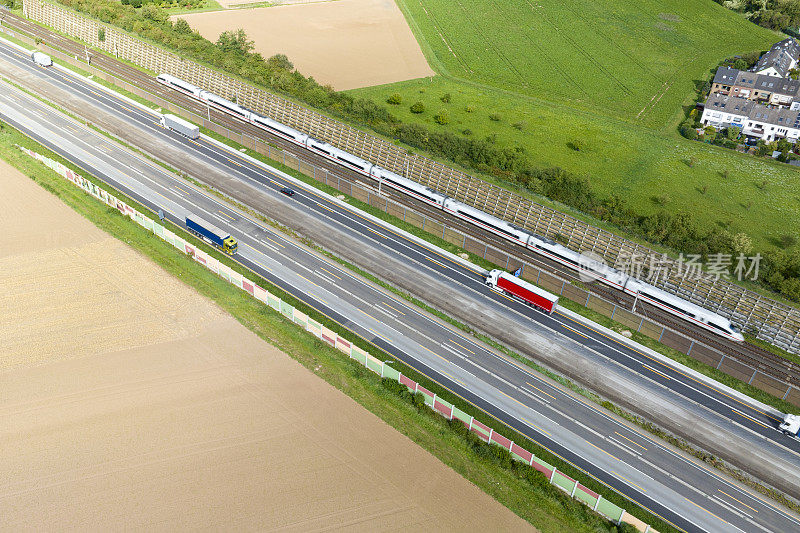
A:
<point x="614" y="75"/>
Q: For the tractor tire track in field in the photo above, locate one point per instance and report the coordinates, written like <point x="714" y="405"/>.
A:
<point x="498" y="52"/>
<point x="597" y="29"/>
<point x="438" y="27"/>
<point x="578" y="47"/>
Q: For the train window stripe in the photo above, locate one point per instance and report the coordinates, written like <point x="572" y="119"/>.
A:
<point x="567" y="259"/>
<point x="226" y="106"/>
<point x="362" y="166"/>
<point x="671" y="306"/>
<point x="501" y="230"/>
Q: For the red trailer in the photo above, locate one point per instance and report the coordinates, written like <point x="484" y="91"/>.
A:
<point x="532" y="295"/>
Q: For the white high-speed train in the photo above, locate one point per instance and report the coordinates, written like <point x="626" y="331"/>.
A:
<point x="561" y="254"/>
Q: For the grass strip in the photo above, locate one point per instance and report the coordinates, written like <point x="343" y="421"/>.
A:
<point x="547" y="510"/>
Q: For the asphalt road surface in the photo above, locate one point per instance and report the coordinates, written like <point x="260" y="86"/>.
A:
<point x="688" y="494"/>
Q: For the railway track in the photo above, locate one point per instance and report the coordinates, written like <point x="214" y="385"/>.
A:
<point x="750" y="354"/>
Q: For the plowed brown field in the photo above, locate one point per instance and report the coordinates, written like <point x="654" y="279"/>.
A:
<point x="347" y="43"/>
<point x="128" y="401"/>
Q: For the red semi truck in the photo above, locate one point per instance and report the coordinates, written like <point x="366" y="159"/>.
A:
<point x="504" y="282"/>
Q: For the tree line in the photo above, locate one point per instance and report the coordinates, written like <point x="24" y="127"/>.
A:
<point x="234" y="53"/>
<point x="779" y="15"/>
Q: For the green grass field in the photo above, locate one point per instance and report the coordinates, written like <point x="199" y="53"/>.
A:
<point x="613" y="75"/>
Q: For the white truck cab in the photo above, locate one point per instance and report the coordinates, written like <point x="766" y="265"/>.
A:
<point x="790" y="425"/>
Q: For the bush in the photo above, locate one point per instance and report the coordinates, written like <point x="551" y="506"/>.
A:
<point x="182" y="27"/>
<point x="787" y="240"/>
<point x="661" y="199"/>
<point x="518" y="126"/>
<point x="418" y="108"/>
<point x="578" y="145"/>
<point x="101" y="34"/>
<point x="469" y="109"/>
<point x="395" y="99"/>
<point x="494" y="117"/>
<point x="442" y="117"/>
<point x="445" y="98"/>
<point x="466" y="131"/>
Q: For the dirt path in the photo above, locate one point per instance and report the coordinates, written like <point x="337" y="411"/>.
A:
<point x="347" y="43"/>
<point x="127" y="401"/>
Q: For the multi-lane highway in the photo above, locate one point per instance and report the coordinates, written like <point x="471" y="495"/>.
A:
<point x="682" y="491"/>
<point x="753" y="355"/>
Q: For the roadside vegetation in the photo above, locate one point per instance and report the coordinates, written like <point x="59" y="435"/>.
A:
<point x="779" y="15"/>
<point x="513" y="485"/>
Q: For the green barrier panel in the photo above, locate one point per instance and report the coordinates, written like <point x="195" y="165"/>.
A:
<point x="159" y="230"/>
<point x="588" y="499"/>
<point x="169" y="237"/>
<point x="148" y="224"/>
<point x="562" y="481"/>
<point x="300" y="318"/>
<point x="607" y="508"/>
<point x="461" y="415"/>
<point x="287" y="309"/>
<point x="316" y="326"/>
<point x="274" y="302"/>
<point x="224" y="273"/>
<point x="374" y="365"/>
<point x="543" y="463"/>
<point x="180" y="244"/>
<point x="359" y="355"/>
<point x="391" y="373"/>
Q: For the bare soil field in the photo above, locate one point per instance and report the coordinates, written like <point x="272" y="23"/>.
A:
<point x="128" y="401"/>
<point x="347" y="43"/>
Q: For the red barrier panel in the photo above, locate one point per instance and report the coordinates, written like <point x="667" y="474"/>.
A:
<point x="411" y="384"/>
<point x="424" y="391"/>
<point x="541" y="468"/>
<point x="501" y="440"/>
<point x="248" y="287"/>
<point x="522" y="452"/>
<point x="443" y="409"/>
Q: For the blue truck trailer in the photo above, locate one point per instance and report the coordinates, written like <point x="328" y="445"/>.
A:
<point x="212" y="234"/>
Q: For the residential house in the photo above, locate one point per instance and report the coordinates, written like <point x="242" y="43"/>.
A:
<point x="756" y="120"/>
<point x="779" y="60"/>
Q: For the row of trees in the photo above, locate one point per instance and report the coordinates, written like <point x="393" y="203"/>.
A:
<point x="773" y="14"/>
<point x="233" y="53"/>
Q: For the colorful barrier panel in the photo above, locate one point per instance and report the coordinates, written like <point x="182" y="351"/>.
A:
<point x="446" y="409"/>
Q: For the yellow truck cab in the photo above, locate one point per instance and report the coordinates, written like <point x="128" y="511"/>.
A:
<point x="229" y="246"/>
